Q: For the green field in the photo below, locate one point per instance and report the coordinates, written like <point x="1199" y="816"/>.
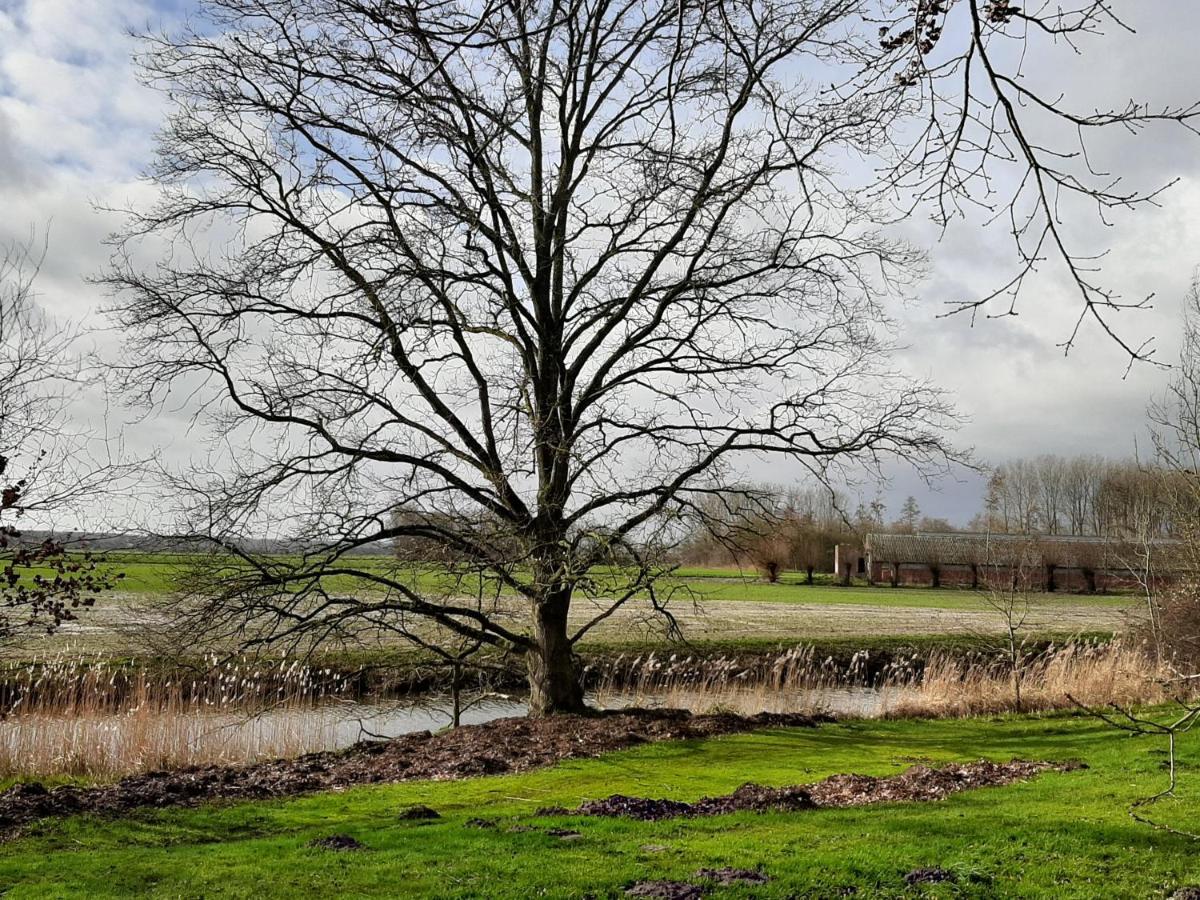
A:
<point x="1061" y="835"/>
<point x="711" y="607"/>
<point x="159" y="574"/>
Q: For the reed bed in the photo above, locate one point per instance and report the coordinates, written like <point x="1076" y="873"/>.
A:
<point x="1059" y="678"/>
<point x="99" y="718"/>
<point x="941" y="685"/>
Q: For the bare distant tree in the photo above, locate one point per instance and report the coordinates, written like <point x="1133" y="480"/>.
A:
<point x="771" y="553"/>
<point x="41" y="583"/>
<point x="1175" y="480"/>
<point x="1169" y="489"/>
<point x="1083" y="495"/>
<point x="541" y="274"/>
<point x="1176" y="415"/>
<point x="1009" y="598"/>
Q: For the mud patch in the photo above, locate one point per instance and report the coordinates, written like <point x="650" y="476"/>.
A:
<point x="930" y="875"/>
<point x="419" y="814"/>
<point x="337" y="842"/>
<point x="641" y="808"/>
<point x="728" y="877"/>
<point x="666" y="890"/>
<point x="499" y="747"/>
<point x="919" y="784"/>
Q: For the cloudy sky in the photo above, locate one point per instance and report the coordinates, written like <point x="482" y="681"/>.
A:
<point x="76" y="129"/>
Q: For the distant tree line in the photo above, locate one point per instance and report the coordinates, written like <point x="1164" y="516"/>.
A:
<point x="776" y="529"/>
<point x="1083" y="495"/>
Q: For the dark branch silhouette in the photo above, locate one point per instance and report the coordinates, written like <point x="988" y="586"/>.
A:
<point x="524" y="285"/>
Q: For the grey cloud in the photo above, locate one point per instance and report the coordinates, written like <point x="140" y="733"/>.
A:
<point x="92" y="125"/>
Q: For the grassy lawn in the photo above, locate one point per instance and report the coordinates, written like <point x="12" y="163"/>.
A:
<point x="1062" y="835"/>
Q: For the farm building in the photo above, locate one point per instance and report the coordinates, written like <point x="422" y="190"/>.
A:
<point x="1040" y="562"/>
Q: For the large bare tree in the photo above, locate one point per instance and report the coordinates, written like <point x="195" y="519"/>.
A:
<point x="525" y="281"/>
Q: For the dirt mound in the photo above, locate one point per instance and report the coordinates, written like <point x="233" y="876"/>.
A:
<point x="417" y="813"/>
<point x="924" y="783"/>
<point x="666" y="890"/>
<point x="337" y="842"/>
<point x="728" y="876"/>
<point x="756" y="798"/>
<point x="917" y="784"/>
<point x="636" y="808"/>
<point x="930" y="875"/>
<point x="499" y="747"/>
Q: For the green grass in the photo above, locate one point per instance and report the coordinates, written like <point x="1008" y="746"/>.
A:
<point x="1061" y="835"/>
<point x="735" y="589"/>
<point x="147" y="573"/>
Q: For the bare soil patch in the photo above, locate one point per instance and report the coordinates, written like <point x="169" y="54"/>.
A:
<point x="917" y="784"/>
<point x="666" y="890"/>
<point x="499" y="747"/>
<point x="337" y="842"/>
<point x="419" y="813"/>
<point x="728" y="876"/>
<point x="930" y="875"/>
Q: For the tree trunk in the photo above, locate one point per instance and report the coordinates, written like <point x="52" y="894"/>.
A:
<point x="554" y="685"/>
<point x="456" y="693"/>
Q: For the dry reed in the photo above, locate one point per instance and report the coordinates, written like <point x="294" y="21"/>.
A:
<point x="99" y="718"/>
<point x="1058" y="678"/>
<point x="945" y="685"/>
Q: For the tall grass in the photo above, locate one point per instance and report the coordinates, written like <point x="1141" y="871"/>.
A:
<point x="1058" y="678"/>
<point x="943" y="684"/>
<point x="99" y="718"/>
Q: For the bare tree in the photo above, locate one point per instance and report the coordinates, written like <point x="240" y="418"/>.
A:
<point x="1166" y="495"/>
<point x="771" y="552"/>
<point x="1084" y="495"/>
<point x="1012" y="571"/>
<point x="1174" y="486"/>
<point x="812" y="548"/>
<point x="542" y="274"/>
<point x="42" y="585"/>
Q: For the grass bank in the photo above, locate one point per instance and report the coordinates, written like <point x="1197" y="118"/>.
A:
<point x="1061" y="835"/>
